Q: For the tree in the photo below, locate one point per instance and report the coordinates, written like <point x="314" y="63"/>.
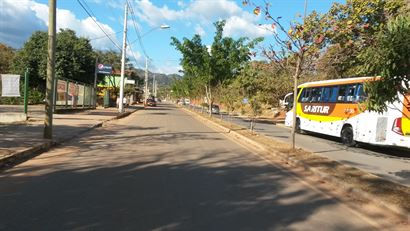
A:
<point x="249" y="85"/>
<point x="6" y="58"/>
<point x="389" y="58"/>
<point x="304" y="39"/>
<point x="33" y="56"/>
<point x="74" y="58"/>
<point x="352" y="28"/>
<point x="109" y="57"/>
<point x="226" y="58"/>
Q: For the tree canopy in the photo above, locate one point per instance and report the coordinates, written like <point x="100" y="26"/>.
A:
<point x="74" y="58"/>
<point x="6" y="58"/>
<point x="205" y="68"/>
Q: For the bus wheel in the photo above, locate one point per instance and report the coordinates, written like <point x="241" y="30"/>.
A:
<point x="347" y="136"/>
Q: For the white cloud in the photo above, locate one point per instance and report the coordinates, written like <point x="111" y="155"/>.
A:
<point x="236" y="26"/>
<point x="135" y="57"/>
<point x="168" y="68"/>
<point x="17" y="22"/>
<point x="154" y="15"/>
<point x="204" y="13"/>
<point x="181" y="3"/>
<point x="20" y="18"/>
<point x="199" y="30"/>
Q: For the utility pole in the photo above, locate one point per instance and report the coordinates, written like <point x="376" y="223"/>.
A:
<point x="124" y="48"/>
<point x="48" y="121"/>
<point x="153" y="85"/>
<point x="25" y="91"/>
<point x="95" y="83"/>
<point x="156" y="88"/>
<point x="146" y="81"/>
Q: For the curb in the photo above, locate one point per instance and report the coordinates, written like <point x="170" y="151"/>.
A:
<point x="300" y="163"/>
<point x="19" y="157"/>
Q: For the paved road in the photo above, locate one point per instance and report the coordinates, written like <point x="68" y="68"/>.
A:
<point x="389" y="163"/>
<point x="160" y="169"/>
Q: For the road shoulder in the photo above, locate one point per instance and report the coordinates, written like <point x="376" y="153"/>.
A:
<point x="357" y="183"/>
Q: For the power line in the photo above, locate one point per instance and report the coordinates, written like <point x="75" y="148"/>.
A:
<point x="132" y="52"/>
<point x="136" y="29"/>
<point x="93" y="18"/>
<point x="105" y="36"/>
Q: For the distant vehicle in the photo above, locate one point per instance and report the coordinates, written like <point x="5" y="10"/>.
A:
<point x="151" y="102"/>
<point x="333" y="108"/>
<point x="215" y="109"/>
<point x="187" y="102"/>
<point x="287" y="101"/>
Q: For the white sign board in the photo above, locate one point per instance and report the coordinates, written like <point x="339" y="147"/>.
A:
<point x="10" y="85"/>
<point x="129" y="81"/>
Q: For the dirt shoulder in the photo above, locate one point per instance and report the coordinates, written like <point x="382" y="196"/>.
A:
<point x="367" y="186"/>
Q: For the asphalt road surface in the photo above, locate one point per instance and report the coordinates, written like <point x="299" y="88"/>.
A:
<point x="160" y="169"/>
<point x="386" y="162"/>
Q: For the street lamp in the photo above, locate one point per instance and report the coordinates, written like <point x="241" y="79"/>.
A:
<point x="162" y="27"/>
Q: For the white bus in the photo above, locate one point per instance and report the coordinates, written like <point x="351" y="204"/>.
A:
<point x="333" y="108"/>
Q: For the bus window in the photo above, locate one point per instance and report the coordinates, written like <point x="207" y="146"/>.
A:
<point x="360" y="94"/>
<point x="314" y="95"/>
<point x="326" y="94"/>
<point x="300" y="99"/>
<point x="341" y="97"/>
<point x="350" y="93"/>
<point x="306" y="95"/>
<point x="333" y="94"/>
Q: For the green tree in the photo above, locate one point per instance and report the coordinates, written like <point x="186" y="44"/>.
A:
<point x="225" y="60"/>
<point x="304" y="39"/>
<point x="74" y="58"/>
<point x="389" y="58"/>
<point x="6" y="58"/>
<point x="33" y="56"/>
<point x="250" y="87"/>
<point x="352" y="28"/>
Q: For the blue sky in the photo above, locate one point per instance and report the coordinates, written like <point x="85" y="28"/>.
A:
<point x="19" y="18"/>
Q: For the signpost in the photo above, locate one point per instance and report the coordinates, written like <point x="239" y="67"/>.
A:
<point x="129" y="81"/>
<point x="100" y="69"/>
<point x="104" y="69"/>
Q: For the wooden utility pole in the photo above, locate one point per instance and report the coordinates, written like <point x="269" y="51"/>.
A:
<point x="95" y="83"/>
<point x="48" y="121"/>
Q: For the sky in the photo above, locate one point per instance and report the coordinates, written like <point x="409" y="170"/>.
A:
<point x="20" y="18"/>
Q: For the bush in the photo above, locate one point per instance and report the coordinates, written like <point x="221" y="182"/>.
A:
<point x="34" y="97"/>
<point x="11" y="100"/>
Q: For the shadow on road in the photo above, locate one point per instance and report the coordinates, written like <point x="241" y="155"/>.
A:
<point x="101" y="182"/>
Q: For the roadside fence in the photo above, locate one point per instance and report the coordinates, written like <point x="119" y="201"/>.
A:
<point x="73" y="94"/>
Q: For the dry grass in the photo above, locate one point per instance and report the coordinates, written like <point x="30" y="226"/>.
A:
<point x="386" y="191"/>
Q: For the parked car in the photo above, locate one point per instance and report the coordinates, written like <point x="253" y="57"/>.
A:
<point x="151" y="103"/>
<point x="215" y="109"/>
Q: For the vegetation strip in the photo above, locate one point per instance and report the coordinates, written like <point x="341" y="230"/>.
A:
<point x="382" y="192"/>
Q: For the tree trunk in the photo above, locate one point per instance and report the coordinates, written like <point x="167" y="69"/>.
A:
<point x="295" y="91"/>
<point x="209" y="98"/>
